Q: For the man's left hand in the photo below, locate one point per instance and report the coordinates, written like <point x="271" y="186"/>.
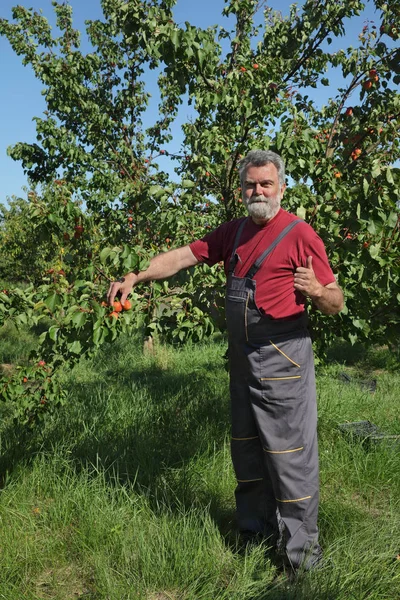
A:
<point x="306" y="282"/>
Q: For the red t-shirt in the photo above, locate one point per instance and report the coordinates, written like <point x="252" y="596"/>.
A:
<point x="275" y="293"/>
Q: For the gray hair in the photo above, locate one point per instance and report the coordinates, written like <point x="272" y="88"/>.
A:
<point x="260" y="158"/>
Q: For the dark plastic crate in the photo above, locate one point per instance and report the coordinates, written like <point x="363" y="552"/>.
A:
<point x="367" y="433"/>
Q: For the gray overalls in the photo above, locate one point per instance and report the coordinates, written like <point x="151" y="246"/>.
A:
<point x="274" y="418"/>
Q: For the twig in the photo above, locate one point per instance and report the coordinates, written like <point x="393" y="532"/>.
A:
<point x="102" y="273"/>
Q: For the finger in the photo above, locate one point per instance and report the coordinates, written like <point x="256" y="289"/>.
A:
<point x="309" y="262"/>
<point x="124" y="296"/>
<point x="301" y="270"/>
<point x="112" y="292"/>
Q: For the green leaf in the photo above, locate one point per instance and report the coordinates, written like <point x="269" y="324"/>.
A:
<point x="353" y="338"/>
<point x="301" y="212"/>
<point x="52" y="301"/>
<point x="389" y="176"/>
<point x="175" y="38"/>
<point x="53" y="331"/>
<point x="75" y="347"/>
<point x="376" y="169"/>
<point x="186" y="183"/>
<point x="79" y="319"/>
<point x="374" y="250"/>
<point x="156" y="191"/>
<point x="186" y="323"/>
<point x="360" y="324"/>
<point x="5" y="298"/>
<point x="104" y="254"/>
<point x="130" y="263"/>
<point x="99" y="335"/>
<point x="22" y="318"/>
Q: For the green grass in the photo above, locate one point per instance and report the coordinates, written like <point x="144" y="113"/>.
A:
<point x="127" y="492"/>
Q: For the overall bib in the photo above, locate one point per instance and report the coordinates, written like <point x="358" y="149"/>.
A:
<point x="274" y="419"/>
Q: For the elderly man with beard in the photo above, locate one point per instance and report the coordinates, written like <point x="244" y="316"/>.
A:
<point x="273" y="263"/>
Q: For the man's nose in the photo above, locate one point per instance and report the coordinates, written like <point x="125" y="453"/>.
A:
<point x="258" y="189"/>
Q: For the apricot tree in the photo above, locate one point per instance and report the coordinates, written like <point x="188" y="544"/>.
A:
<point x="104" y="152"/>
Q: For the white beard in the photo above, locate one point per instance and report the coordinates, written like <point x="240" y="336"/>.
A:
<point x="262" y="208"/>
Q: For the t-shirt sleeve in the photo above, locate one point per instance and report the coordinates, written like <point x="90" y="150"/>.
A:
<point x="310" y="244"/>
<point x="211" y="249"/>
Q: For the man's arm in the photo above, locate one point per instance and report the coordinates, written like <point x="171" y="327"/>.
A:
<point x="327" y="298"/>
<point x="161" y="266"/>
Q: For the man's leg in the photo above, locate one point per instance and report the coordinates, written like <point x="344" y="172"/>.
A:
<point x="284" y="405"/>
<point x="255" y="501"/>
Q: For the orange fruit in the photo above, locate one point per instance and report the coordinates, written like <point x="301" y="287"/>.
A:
<point x="117" y="306"/>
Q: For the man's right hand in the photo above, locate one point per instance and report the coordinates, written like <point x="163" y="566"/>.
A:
<point x="122" y="288"/>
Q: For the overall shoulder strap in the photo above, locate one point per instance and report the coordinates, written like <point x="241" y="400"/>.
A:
<point x="232" y="262"/>
<point x="257" y="264"/>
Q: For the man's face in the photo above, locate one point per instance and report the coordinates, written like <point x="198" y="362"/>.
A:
<point x="262" y="193"/>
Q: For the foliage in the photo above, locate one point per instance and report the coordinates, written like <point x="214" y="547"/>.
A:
<point x="247" y="87"/>
<point x="25" y="252"/>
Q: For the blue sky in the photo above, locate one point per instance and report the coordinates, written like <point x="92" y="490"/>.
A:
<point x="21" y="97"/>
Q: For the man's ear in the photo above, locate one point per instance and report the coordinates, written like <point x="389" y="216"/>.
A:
<point x="283" y="188"/>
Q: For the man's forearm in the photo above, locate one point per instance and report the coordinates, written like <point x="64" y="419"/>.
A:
<point x="329" y="300"/>
<point x="164" y="265"/>
<point x="161" y="267"/>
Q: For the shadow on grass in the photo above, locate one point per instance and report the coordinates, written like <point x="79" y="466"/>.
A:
<point x="141" y="426"/>
<point x="18" y="445"/>
<point x="366" y="359"/>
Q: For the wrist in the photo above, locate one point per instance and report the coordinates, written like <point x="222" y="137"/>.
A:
<point x="317" y="293"/>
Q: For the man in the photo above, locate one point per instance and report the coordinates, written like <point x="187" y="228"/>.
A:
<point x="273" y="262"/>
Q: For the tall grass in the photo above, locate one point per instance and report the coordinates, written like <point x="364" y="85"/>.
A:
<point x="127" y="492"/>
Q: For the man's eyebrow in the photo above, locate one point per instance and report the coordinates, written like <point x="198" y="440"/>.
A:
<point x="262" y="181"/>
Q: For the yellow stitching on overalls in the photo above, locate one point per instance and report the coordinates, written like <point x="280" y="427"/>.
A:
<point x="285" y="355"/>
<point x="243" y="439"/>
<point x="283" y="451"/>
<point x="280" y="378"/>
<point x="245" y="315"/>
<point x="294" y="500"/>
<point x="249" y="480"/>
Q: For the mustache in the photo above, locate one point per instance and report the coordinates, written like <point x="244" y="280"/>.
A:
<point x="255" y="199"/>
